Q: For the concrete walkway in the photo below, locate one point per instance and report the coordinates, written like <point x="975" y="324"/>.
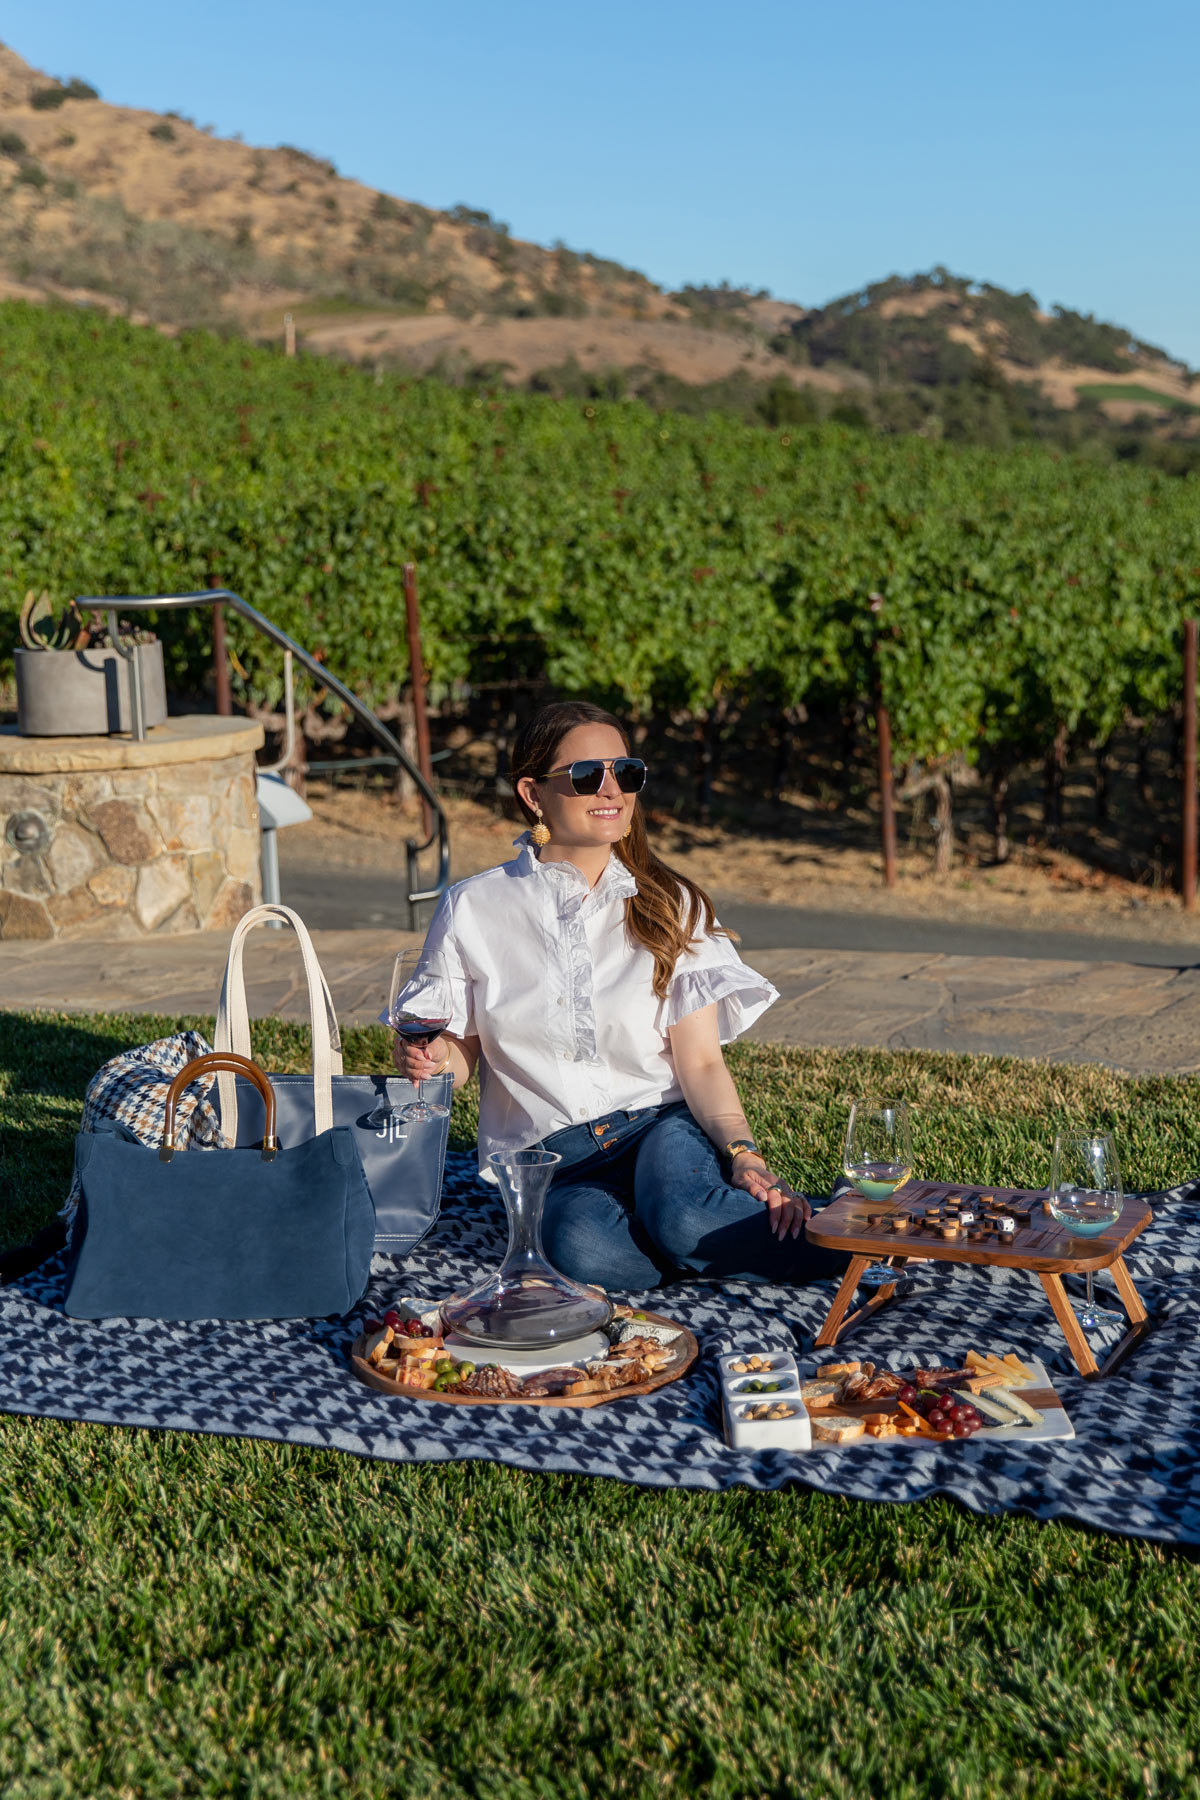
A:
<point x="1129" y="1016"/>
<point x="331" y="898"/>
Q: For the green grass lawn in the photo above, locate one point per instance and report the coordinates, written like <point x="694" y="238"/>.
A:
<point x="200" y="1616"/>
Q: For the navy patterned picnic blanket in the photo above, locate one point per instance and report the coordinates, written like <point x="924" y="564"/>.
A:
<point x="1133" y="1466"/>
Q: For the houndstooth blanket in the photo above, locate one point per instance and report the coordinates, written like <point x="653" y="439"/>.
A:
<point x="1133" y="1466"/>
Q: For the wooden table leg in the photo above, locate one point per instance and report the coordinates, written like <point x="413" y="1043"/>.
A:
<point x="837" y="1324"/>
<point x="1071" y="1328"/>
<point x="828" y="1333"/>
<point x="1140" y="1325"/>
<point x="1130" y="1299"/>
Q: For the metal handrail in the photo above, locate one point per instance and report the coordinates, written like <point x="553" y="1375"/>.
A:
<point x="362" y="712"/>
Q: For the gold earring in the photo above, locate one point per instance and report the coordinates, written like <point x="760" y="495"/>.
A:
<point x="541" y="831"/>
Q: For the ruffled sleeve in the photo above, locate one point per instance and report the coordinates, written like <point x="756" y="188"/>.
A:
<point x="712" y="973"/>
<point x="442" y="937"/>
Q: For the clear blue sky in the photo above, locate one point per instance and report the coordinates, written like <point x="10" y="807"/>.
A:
<point x="799" y="146"/>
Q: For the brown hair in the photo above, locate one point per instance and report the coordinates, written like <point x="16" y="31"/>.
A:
<point x="666" y="912"/>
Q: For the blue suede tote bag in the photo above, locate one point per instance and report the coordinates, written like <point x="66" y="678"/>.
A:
<point x="403" y="1161"/>
<point x="260" y="1233"/>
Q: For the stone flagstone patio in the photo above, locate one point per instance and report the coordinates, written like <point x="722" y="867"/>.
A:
<point x="1140" y="1018"/>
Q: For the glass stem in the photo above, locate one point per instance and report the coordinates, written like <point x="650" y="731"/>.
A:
<point x="1089" y="1290"/>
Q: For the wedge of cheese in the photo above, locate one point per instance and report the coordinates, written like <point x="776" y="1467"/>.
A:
<point x="819" y="1394"/>
<point x="991" y="1409"/>
<point x="1002" y="1406"/>
<point x="1022" y="1408"/>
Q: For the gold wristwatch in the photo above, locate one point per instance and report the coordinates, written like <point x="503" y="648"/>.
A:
<point x="742" y="1147"/>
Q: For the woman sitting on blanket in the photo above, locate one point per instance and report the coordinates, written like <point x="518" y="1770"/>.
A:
<point x="593" y="991"/>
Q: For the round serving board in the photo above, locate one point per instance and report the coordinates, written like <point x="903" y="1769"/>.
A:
<point x="684" y="1350"/>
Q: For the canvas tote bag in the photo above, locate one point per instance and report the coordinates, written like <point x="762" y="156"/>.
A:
<point x="403" y="1162"/>
<point x="231" y="1234"/>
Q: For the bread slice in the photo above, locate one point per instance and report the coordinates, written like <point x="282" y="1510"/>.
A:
<point x="832" y="1369"/>
<point x="377" y="1344"/>
<point x="837" y="1429"/>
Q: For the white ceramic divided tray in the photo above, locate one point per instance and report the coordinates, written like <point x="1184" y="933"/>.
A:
<point x="742" y="1433"/>
<point x="1040" y="1394"/>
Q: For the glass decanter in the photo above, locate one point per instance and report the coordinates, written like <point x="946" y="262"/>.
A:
<point x="527" y="1304"/>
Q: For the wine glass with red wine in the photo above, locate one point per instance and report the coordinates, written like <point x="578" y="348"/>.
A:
<point x="420" y="1006"/>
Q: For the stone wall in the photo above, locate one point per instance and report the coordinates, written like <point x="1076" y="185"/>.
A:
<point x="125" y="852"/>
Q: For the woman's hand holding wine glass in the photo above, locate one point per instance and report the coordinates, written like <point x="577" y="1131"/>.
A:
<point x="420" y="1006"/>
<point x="417" y="1062"/>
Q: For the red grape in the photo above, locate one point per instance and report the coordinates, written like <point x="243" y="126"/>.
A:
<point x="373" y="1325"/>
<point x="963" y="1428"/>
<point x="392" y="1318"/>
<point x="907" y="1393"/>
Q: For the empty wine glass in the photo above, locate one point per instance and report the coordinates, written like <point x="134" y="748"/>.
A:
<point x="878" y="1158"/>
<point x="420" y="1006"/>
<point x="1086" y="1197"/>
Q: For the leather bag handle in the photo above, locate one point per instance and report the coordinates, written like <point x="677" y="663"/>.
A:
<point x="206" y="1065"/>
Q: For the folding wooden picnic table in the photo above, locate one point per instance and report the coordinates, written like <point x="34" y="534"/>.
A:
<point x="1044" y="1247"/>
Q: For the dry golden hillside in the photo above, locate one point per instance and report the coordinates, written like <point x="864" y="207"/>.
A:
<point x="151" y="215"/>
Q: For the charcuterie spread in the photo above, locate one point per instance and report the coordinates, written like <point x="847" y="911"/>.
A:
<point x="406" y="1353"/>
<point x="984" y="1393"/>
<point x="769" y="1405"/>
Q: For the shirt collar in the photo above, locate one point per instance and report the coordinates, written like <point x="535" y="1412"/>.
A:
<point x="616" y="883"/>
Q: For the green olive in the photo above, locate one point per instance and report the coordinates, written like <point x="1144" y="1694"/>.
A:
<point x="465" y="1370"/>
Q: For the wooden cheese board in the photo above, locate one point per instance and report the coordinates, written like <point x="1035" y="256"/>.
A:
<point x="684" y="1350"/>
<point x="1040" y="1394"/>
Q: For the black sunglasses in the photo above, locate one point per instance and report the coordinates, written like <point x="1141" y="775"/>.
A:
<point x="587" y="776"/>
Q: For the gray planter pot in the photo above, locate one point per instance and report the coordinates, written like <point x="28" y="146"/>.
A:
<point x="85" y="693"/>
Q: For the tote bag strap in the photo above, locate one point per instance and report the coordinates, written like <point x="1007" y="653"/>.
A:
<point x="233" y="1019"/>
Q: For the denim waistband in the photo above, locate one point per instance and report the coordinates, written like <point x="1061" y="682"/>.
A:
<point x="605" y="1136"/>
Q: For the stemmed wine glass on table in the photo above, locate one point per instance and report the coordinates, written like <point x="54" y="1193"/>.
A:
<point x="878" y="1158"/>
<point x="1087" y="1199"/>
<point x="420" y="1006"/>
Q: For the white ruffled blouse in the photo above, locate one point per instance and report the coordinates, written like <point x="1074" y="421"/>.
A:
<point x="562" y="999"/>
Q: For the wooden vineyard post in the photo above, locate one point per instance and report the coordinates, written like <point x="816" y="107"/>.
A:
<point x="1188" y="847"/>
<point x="887" y="792"/>
<point x="416" y="666"/>
<point x="887" y="804"/>
<point x="289" y="335"/>
<point x="221" y="661"/>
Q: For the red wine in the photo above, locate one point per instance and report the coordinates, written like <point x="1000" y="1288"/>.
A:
<point x="415" y="1029"/>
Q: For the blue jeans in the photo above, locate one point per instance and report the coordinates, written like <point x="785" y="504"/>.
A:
<point x="641" y="1198"/>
